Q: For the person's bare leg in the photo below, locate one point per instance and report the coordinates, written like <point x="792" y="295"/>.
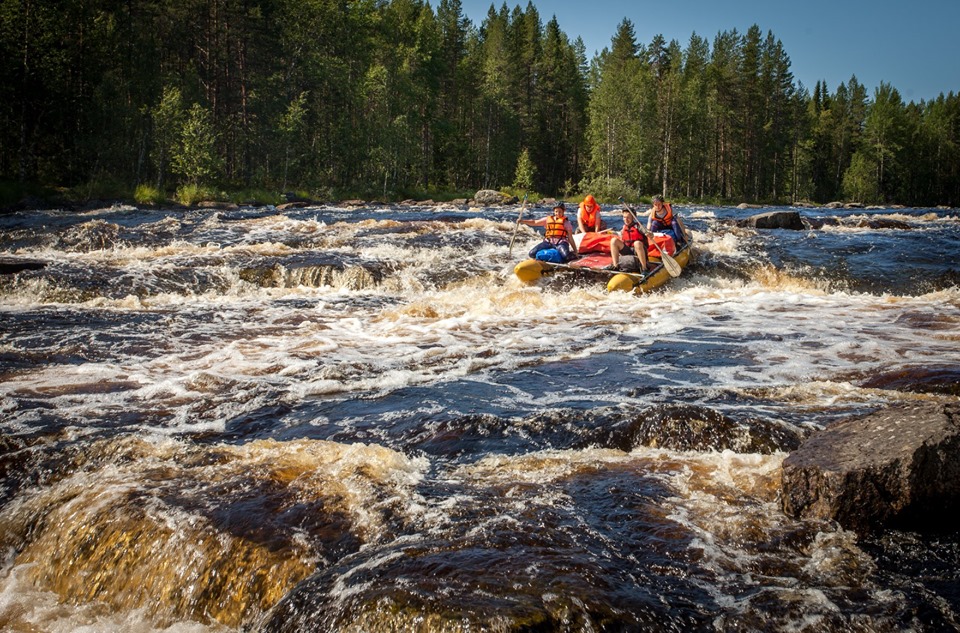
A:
<point x="615" y="246"/>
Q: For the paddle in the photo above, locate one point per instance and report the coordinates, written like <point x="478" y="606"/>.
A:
<point x="668" y="262"/>
<point x="519" y="217"/>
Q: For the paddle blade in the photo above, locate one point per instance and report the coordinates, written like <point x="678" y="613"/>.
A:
<point x="670" y="264"/>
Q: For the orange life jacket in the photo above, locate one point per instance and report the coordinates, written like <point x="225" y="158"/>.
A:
<point x="631" y="234"/>
<point x="556" y="229"/>
<point x="588" y="215"/>
<point x="667" y="219"/>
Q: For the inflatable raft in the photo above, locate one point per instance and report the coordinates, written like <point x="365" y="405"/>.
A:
<point x="593" y="264"/>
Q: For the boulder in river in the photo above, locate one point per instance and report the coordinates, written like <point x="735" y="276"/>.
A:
<point x="899" y="467"/>
<point x="491" y="197"/>
<point x="944" y="379"/>
<point x="775" y="220"/>
<point x="883" y="223"/>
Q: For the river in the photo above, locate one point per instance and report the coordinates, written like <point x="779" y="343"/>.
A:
<point x="332" y="419"/>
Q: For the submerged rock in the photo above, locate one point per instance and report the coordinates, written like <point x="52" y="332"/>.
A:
<point x="775" y="220"/>
<point x="898" y="467"/>
<point x="883" y="223"/>
<point x="11" y="265"/>
<point x="693" y="428"/>
<point x="945" y="380"/>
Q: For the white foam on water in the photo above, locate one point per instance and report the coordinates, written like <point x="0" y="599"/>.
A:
<point x="265" y="340"/>
<point x="25" y="607"/>
<point x="213" y="356"/>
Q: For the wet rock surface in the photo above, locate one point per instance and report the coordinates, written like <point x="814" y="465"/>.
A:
<point x="899" y="467"/>
<point x="491" y="197"/>
<point x="944" y="380"/>
<point x="775" y="220"/>
<point x="11" y="265"/>
<point x="693" y="428"/>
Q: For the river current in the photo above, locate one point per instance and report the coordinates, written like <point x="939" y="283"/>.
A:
<point x="330" y="419"/>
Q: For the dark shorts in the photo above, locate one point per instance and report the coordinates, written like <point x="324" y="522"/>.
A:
<point x="630" y="250"/>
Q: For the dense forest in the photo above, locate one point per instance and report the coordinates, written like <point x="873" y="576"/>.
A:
<point x="395" y="98"/>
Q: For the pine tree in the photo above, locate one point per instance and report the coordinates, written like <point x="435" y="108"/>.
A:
<point x="526" y="173"/>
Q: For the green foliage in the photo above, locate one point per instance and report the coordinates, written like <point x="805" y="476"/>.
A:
<point x="385" y="98"/>
<point x="195" y="157"/>
<point x="608" y="190"/>
<point x="101" y="187"/>
<point x="860" y="182"/>
<point x="145" y="194"/>
<point x="523" y="177"/>
<point x="256" y="197"/>
<point x="190" y="194"/>
<point x="167" y="118"/>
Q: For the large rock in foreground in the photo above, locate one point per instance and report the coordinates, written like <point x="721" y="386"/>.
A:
<point x="897" y="467"/>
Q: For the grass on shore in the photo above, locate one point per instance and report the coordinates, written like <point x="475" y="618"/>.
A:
<point x="15" y="195"/>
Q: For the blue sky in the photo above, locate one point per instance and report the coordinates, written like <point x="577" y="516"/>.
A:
<point x="914" y="46"/>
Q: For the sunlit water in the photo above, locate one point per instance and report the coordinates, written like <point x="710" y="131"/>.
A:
<point x="358" y="420"/>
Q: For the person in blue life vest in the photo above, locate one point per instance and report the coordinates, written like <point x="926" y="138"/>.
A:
<point x="558" y="233"/>
<point x="632" y="241"/>
<point x="663" y="220"/>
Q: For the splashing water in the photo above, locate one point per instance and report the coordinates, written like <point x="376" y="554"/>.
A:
<point x="356" y="420"/>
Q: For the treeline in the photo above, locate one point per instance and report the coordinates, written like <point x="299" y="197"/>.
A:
<point x="394" y="98"/>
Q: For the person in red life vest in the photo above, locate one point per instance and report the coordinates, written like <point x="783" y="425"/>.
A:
<point x="558" y="233"/>
<point x="632" y="241"/>
<point x="662" y="220"/>
<point x="588" y="216"/>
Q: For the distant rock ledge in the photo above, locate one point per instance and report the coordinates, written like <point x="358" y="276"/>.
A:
<point x="899" y="467"/>
<point x="774" y="220"/>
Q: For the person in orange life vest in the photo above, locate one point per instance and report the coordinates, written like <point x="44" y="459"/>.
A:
<point x="588" y="216"/>
<point x="631" y="241"/>
<point x="559" y="233"/>
<point x="662" y="220"/>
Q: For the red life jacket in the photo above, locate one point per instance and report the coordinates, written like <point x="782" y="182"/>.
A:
<point x="588" y="215"/>
<point x="631" y="234"/>
<point x="556" y="229"/>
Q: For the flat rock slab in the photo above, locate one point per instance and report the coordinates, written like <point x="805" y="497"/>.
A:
<point x="899" y="467"/>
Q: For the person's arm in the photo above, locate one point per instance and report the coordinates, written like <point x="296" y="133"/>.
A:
<point x="683" y="227"/>
<point x="570" y="240"/>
